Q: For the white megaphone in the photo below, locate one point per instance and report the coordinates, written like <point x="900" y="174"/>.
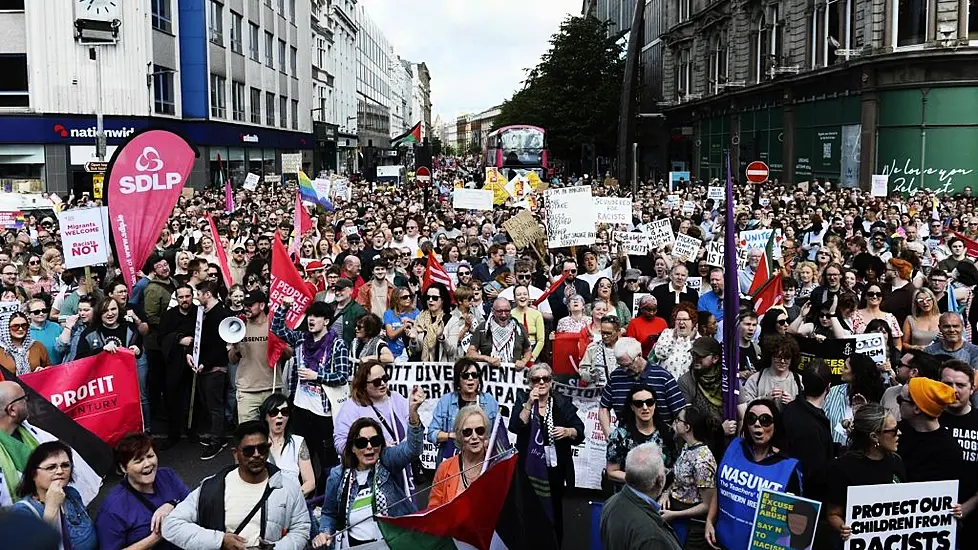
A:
<point x="231" y="330"/>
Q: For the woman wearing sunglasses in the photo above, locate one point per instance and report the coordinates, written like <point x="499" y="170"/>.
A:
<point x="288" y="451"/>
<point x="637" y="425"/>
<point x="34" y="278"/>
<point x="872" y="300"/>
<point x="454" y="475"/>
<point x="428" y="333"/>
<point x="756" y="454"/>
<point x="371" y="396"/>
<point x="560" y="429"/>
<point x="370" y="481"/>
<point x="467" y="383"/>
<point x="19" y="352"/>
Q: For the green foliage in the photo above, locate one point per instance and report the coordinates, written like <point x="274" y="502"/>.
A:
<point x="436" y="146"/>
<point x="449" y="150"/>
<point x="474" y="148"/>
<point x="574" y="93"/>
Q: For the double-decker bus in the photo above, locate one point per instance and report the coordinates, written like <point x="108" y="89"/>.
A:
<point x="517" y="147"/>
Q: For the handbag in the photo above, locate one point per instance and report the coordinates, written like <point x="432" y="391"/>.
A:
<point x="337" y="395"/>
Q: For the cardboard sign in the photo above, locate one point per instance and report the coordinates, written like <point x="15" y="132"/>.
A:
<point x="633" y="244"/>
<point x="590" y="457"/>
<point x="472" y="199"/>
<point x="714" y="254"/>
<point x="613" y="210"/>
<point x="783" y="521"/>
<point x="686" y="246"/>
<point x="918" y="514"/>
<point x="523" y="229"/>
<point x="251" y="181"/>
<point x="660" y="233"/>
<point x="291" y="163"/>
<point x="715" y="193"/>
<point x="570" y="216"/>
<point x="84" y="236"/>
<point x="880" y="186"/>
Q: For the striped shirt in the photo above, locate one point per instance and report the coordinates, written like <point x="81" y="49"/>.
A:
<point x="669" y="400"/>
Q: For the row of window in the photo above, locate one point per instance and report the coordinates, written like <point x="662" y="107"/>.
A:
<point x="219" y="104"/>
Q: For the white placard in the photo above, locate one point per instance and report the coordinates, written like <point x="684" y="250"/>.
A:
<point x="686" y="246"/>
<point x="695" y="284"/>
<point x="872" y="344"/>
<point x="323" y="187"/>
<point x="9" y="307"/>
<point x="251" y="182"/>
<point x="757" y="238"/>
<point x="636" y="298"/>
<point x="919" y="514"/>
<point x="660" y="233"/>
<point x="672" y="201"/>
<point x="715" y="193"/>
<point x="881" y="185"/>
<point x="84" y="237"/>
<point x="688" y="208"/>
<point x="633" y="244"/>
<point x="613" y="210"/>
<point x="590" y="457"/>
<point x="570" y="216"/>
<point x="714" y="254"/>
<point x="472" y="199"/>
<point x="273" y="178"/>
<point x="291" y="163"/>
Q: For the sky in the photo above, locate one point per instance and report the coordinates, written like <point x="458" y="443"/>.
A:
<point x="477" y="51"/>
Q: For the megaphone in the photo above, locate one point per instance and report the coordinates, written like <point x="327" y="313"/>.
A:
<point x="231" y="330"/>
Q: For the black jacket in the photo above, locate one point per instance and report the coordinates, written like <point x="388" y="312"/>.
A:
<point x="565" y="415"/>
<point x="665" y="299"/>
<point x="213" y="350"/>
<point x="628" y="522"/>
<point x="557" y="305"/>
<point x="808" y="438"/>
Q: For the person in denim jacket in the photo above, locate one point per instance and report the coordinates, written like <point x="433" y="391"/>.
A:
<point x="370" y="481"/>
<point x="467" y="381"/>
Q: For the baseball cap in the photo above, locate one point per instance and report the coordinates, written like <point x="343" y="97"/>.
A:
<point x="255" y="297"/>
<point x="705" y="346"/>
<point x="343" y="282"/>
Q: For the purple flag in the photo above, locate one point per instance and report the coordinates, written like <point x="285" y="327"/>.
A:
<point x="228" y="196"/>
<point x="731" y="307"/>
<point x="536" y="464"/>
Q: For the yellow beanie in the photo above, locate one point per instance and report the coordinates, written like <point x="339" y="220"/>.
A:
<point x="930" y="396"/>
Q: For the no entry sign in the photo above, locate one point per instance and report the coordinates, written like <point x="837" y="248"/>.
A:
<point x="757" y="172"/>
<point x="423" y="174"/>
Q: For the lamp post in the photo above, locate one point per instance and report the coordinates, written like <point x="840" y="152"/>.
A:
<point x="625" y="122"/>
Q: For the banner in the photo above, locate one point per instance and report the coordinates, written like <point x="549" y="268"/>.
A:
<point x="286" y="281"/>
<point x="100" y="393"/>
<point x="84" y="237"/>
<point x="570" y="217"/>
<point x="783" y="521"/>
<point x="757" y="238"/>
<point x="902" y="515"/>
<point x="146" y="177"/>
<point x="835" y="351"/>
<point x="472" y="199"/>
<point x="590" y="457"/>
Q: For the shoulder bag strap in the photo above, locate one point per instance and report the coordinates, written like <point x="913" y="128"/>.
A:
<point x="384" y="421"/>
<point x="258" y="506"/>
<point x="140" y="497"/>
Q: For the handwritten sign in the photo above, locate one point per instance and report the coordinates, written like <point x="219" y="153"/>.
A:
<point x="291" y="163"/>
<point x="686" y="246"/>
<point x="660" y="233"/>
<point x="881" y="183"/>
<point x="571" y="216"/>
<point x="523" y="229"/>
<point x="714" y="254"/>
<point x="613" y="210"/>
<point x="85" y="240"/>
<point x="672" y="201"/>
<point x="633" y="244"/>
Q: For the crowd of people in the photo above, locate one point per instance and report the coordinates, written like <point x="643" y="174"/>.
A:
<point x="322" y="429"/>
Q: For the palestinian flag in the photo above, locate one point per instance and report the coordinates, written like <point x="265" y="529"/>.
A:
<point x="770" y="294"/>
<point x="766" y="269"/>
<point x="411" y="137"/>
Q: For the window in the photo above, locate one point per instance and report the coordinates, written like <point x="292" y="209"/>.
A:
<point x="269" y="109"/>
<point x="683" y="10"/>
<point x="269" y="53"/>
<point x="11" y="5"/>
<point x="13" y="86"/>
<point x="163" y="102"/>
<point x="684" y="72"/>
<point x="219" y="107"/>
<point x="911" y="21"/>
<point x="321" y="52"/>
<point x="161" y="15"/>
<point x="283" y="111"/>
<point x="295" y="114"/>
<point x="237" y="101"/>
<point x="255" y="106"/>
<point x="281" y="55"/>
<point x="293" y="53"/>
<point x="216" y="23"/>
<point x="253" y="41"/>
<point x="292" y="11"/>
<point x="236" y="40"/>
<point x="281" y="7"/>
<point x="718" y="63"/>
<point x="973" y="19"/>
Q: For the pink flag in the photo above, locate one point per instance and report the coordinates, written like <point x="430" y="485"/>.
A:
<point x="302" y="222"/>
<point x="145" y="179"/>
<point x="228" y="196"/>
<point x="222" y="255"/>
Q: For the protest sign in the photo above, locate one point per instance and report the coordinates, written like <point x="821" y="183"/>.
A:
<point x="714" y="254"/>
<point x="783" y="521"/>
<point x="636" y="298"/>
<point x="84" y="236"/>
<point x="672" y="201"/>
<point x="11" y="219"/>
<point x="291" y="163"/>
<point x="9" y="307"/>
<point x="502" y="382"/>
<point x="686" y="246"/>
<point x="613" y="210"/>
<point x="695" y="284"/>
<point x="570" y="216"/>
<point x="590" y="457"/>
<point x="273" y="178"/>
<point x="835" y="351"/>
<point x="523" y="229"/>
<point x="688" y="208"/>
<point x="251" y="181"/>
<point x="902" y="515"/>
<point x="880" y="185"/>
<point x="323" y="188"/>
<point x="100" y="393"/>
<point x="633" y="244"/>
<point x="757" y="238"/>
<point x="660" y="233"/>
<point x="715" y="193"/>
<point x="472" y="199"/>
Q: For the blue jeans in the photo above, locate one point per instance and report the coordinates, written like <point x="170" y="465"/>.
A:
<point x="142" y="375"/>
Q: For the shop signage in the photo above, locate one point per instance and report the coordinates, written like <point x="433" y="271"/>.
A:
<point x="249" y="138"/>
<point x="96" y="166"/>
<point x="92" y="131"/>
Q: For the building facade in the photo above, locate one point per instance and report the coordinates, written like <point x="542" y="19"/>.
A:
<point x="373" y="83"/>
<point x="234" y="77"/>
<point x="345" y="59"/>
<point x="421" y="97"/>
<point x="833" y="90"/>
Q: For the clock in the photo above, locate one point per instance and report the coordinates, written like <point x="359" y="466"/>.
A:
<point x="98" y="10"/>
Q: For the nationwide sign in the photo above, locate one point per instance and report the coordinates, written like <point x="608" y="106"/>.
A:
<point x="92" y="131"/>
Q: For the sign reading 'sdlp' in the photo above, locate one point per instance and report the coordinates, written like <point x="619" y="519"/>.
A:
<point x="152" y="176"/>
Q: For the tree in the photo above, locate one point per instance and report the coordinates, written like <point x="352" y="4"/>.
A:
<point x="449" y="150"/>
<point x="574" y="93"/>
<point x="436" y="146"/>
<point x="474" y="148"/>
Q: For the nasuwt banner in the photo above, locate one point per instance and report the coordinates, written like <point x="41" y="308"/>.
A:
<point x="100" y="393"/>
<point x="902" y="515"/>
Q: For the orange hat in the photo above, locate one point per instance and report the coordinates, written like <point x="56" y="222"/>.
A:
<point x="930" y="396"/>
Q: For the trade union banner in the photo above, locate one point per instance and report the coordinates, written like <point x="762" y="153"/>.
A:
<point x="100" y="393"/>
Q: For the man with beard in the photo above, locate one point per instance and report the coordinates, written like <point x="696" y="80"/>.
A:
<point x="344" y="318"/>
<point x="254" y="380"/>
<point x="375" y="295"/>
<point x="264" y="246"/>
<point x="212" y="368"/>
<point x="961" y="420"/>
<point x="500" y="339"/>
<point x="232" y="509"/>
<point x="176" y="338"/>
<point x="701" y="385"/>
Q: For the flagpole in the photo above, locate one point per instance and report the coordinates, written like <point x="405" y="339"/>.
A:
<point x="731" y="307"/>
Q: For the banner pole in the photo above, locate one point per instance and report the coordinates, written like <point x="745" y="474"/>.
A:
<point x="193" y="394"/>
<point x="88" y="280"/>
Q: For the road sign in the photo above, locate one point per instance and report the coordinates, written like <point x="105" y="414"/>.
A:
<point x="96" y="166"/>
<point x="97" y="182"/>
<point x="757" y="172"/>
<point x="423" y="174"/>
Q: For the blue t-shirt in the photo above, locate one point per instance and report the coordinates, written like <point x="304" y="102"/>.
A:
<point x="49" y="337"/>
<point x="124" y="520"/>
<point x="397" y="321"/>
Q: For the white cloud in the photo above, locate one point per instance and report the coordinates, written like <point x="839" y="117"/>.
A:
<point x="476" y="50"/>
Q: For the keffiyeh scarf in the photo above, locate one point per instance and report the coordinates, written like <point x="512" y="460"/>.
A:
<point x="503" y="339"/>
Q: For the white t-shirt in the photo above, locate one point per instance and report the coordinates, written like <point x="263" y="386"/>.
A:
<point x="535" y="293"/>
<point x="592" y="279"/>
<point x="362" y="524"/>
<point x="239" y="498"/>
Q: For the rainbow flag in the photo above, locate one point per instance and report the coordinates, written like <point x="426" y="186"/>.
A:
<point x="307" y="191"/>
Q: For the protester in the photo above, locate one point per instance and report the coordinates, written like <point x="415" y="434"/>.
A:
<point x="671" y="350"/>
<point x="779" y="380"/>
<point x="455" y="475"/>
<point x="427" y="333"/>
<point x="951" y="341"/>
<point x="255" y="380"/>
<point x="371" y="396"/>
<point x="808" y="434"/>
<point x="861" y="384"/>
<point x="467" y="391"/>
<point x="686" y="501"/>
<point x="19" y="352"/>
<point x="929" y="453"/>
<point x="44" y="330"/>
<point x="500" y="339"/>
<point x="398" y="322"/>
<point x="632" y="369"/>
<point x="638" y="425"/>
<point x="646" y="326"/>
<point x="288" y="451"/>
<point x="368" y="343"/>
<point x="530" y="318"/>
<point x="110" y="332"/>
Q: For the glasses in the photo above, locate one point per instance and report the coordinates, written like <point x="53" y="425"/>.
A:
<point x="924" y="300"/>
<point x="378" y="382"/>
<point x="38" y="311"/>
<point x="34" y="262"/>
<point x="765" y="420"/>
<point x="284" y="411"/>
<point x="433" y="297"/>
<point x="51" y="468"/>
<point x="824" y="315"/>
<point x="501" y="310"/>
<point x="639" y="403"/>
<point x="250" y="450"/>
<point x="479" y="431"/>
<point x="874" y="294"/>
<point x="540" y="380"/>
<point x="18" y="326"/>
<point x="472" y="375"/>
<point x="10" y="273"/>
<point x="23" y="398"/>
<point x="464" y="273"/>
<point x="571" y="271"/>
<point x="833" y="274"/>
<point x="781" y="358"/>
<point x="363" y="442"/>
<point x="891" y="431"/>
<point x="522" y="276"/>
<point x="783" y="322"/>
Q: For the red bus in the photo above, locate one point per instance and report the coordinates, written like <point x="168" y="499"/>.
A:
<point x="518" y="147"/>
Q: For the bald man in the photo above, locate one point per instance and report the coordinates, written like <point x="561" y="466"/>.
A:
<point x="500" y="339"/>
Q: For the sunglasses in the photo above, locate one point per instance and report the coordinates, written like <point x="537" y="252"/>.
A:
<point x="250" y="450"/>
<point x="433" y="298"/>
<point x="480" y="431"/>
<point x="406" y="297"/>
<point x="464" y="273"/>
<point x="23" y="398"/>
<point x="524" y="276"/>
<point x="363" y="442"/>
<point x="783" y="322"/>
<point x="765" y="420"/>
<point x="33" y="262"/>
<point x="639" y="403"/>
<point x="540" y="380"/>
<point x="901" y="400"/>
<point x="378" y="382"/>
<point x="18" y="326"/>
<point x="472" y="375"/>
<point x="874" y="294"/>
<point x="38" y="311"/>
<point x="284" y="411"/>
<point x="892" y="431"/>
<point x="824" y="315"/>
<point x="571" y="271"/>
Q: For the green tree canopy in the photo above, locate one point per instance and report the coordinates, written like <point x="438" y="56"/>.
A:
<point x="574" y="93"/>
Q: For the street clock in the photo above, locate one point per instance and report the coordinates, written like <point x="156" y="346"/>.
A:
<point x="97" y="21"/>
<point x="98" y="10"/>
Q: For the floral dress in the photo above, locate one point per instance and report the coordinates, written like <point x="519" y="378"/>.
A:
<point x="621" y="441"/>
<point x="695" y="469"/>
<point x="671" y="351"/>
<point x="860" y="320"/>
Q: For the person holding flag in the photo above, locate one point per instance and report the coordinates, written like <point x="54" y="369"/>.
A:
<point x="470" y="438"/>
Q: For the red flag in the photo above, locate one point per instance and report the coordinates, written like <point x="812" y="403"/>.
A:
<point x="435" y="273"/>
<point x="546" y="294"/>
<point x="971" y="247"/>
<point x="222" y="255"/>
<point x="286" y="281"/>
<point x="766" y="268"/>
<point x="100" y="393"/>
<point x="145" y="179"/>
<point x="302" y="223"/>
<point x="569" y="349"/>
<point x="770" y="294"/>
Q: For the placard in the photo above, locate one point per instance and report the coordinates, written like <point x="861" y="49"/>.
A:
<point x="251" y="181"/>
<point x="660" y="233"/>
<point x="688" y="208"/>
<point x="84" y="236"/>
<point x="323" y="188"/>
<point x="291" y="163"/>
<point x="783" y="521"/>
<point x="757" y="238"/>
<point x="523" y="229"/>
<point x="633" y="244"/>
<point x="716" y="193"/>
<point x="880" y="186"/>
<point x="590" y="457"/>
<point x="570" y="216"/>
<point x="472" y="199"/>
<point x="695" y="284"/>
<point x="672" y="201"/>
<point x="714" y="254"/>
<point x="902" y="515"/>
<point x="613" y="210"/>
<point x="686" y="246"/>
